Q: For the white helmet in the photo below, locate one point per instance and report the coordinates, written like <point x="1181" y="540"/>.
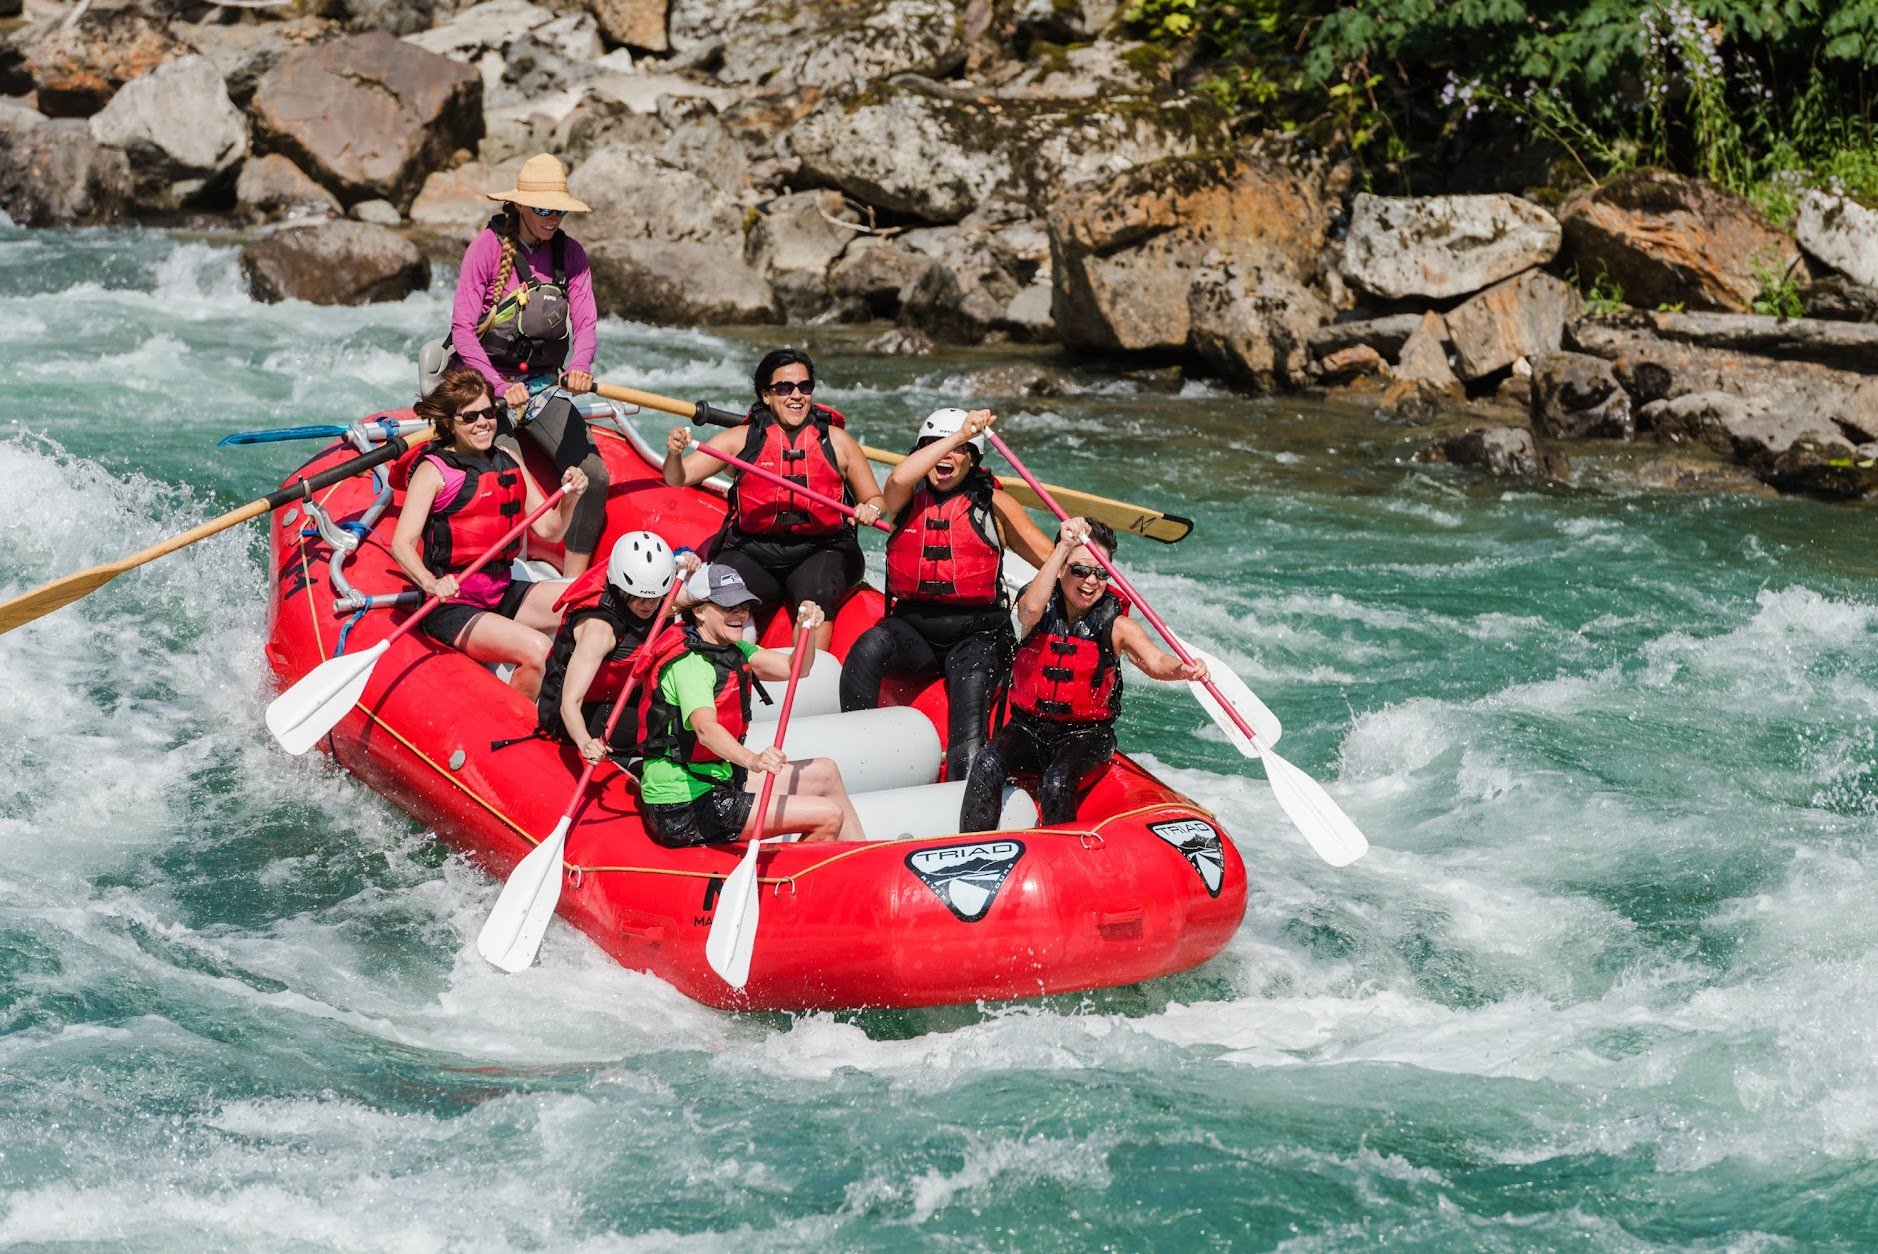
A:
<point x="642" y="565"/>
<point x="944" y="422"/>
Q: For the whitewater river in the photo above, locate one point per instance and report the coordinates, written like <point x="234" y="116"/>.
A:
<point x="1608" y="978"/>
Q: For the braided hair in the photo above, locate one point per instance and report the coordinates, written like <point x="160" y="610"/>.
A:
<point x="509" y="227"/>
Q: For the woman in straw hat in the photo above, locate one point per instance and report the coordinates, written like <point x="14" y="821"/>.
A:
<point x="524" y="317"/>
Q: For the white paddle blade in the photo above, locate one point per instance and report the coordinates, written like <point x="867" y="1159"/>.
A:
<point x="1323" y="822"/>
<point x="512" y="936"/>
<point x="1264" y="723"/>
<point x="304" y="713"/>
<point x="733" y="927"/>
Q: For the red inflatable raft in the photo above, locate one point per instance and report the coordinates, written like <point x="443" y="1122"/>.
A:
<point x="1143" y="884"/>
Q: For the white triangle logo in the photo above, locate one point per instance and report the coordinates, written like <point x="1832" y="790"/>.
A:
<point x="966" y="877"/>
<point x="1198" y="843"/>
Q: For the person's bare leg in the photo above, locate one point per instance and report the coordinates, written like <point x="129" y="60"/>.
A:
<point x="493" y="638"/>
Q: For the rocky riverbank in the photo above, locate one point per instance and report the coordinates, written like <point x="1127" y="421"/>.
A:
<point x="998" y="170"/>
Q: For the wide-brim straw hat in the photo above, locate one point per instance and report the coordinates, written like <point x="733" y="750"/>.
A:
<point x="542" y="184"/>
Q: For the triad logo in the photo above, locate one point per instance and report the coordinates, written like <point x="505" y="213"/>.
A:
<point x="1199" y="845"/>
<point x="966" y="877"/>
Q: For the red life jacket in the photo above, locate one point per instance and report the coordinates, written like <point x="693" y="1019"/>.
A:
<point x="490" y="502"/>
<point x="600" y="601"/>
<point x="1070" y="673"/>
<point x="759" y="507"/>
<point x="663" y="733"/>
<point x="945" y="548"/>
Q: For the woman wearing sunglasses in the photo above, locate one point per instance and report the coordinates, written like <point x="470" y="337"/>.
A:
<point x="464" y="494"/>
<point x="525" y="316"/>
<point x="1066" y="682"/>
<point x="788" y="548"/>
<point x="947" y="610"/>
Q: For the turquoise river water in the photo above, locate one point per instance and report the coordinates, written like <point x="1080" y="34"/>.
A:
<point x="1607" y="980"/>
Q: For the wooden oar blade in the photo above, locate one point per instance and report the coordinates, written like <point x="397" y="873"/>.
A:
<point x="1265" y="724"/>
<point x="58" y="594"/>
<point x="1321" y="820"/>
<point x="512" y="936"/>
<point x="302" y="715"/>
<point x="733" y="928"/>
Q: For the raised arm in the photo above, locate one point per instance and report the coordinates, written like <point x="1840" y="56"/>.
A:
<point x="1035" y="598"/>
<point x="681" y="471"/>
<point x="553" y="524"/>
<point x="1022" y="536"/>
<point x="1133" y="643"/>
<point x="774" y="663"/>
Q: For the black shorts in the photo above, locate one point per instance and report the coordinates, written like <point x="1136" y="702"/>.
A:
<point x="716" y="818"/>
<point x="446" y="623"/>
<point x="779" y="570"/>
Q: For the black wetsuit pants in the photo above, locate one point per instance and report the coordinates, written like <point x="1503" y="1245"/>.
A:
<point x="971" y="646"/>
<point x="560" y="432"/>
<point x="1062" y="754"/>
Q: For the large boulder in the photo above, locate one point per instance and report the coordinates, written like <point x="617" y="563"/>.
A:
<point x="1384" y="336"/>
<point x="1843" y="345"/>
<point x="1126" y="252"/>
<point x="179" y="130"/>
<point x="1518" y="317"/>
<point x="913" y="150"/>
<point x="876" y="272"/>
<point x="81" y="62"/>
<point x="1669" y="240"/>
<point x="792" y="243"/>
<point x="1840" y="232"/>
<point x="246" y="53"/>
<point x="636" y="23"/>
<point x="334" y="263"/>
<point x="456" y="202"/>
<point x="1576" y="396"/>
<point x="271" y="187"/>
<point x="524" y="52"/>
<point x="1254" y="325"/>
<point x="827" y="44"/>
<point x="1498" y="451"/>
<point x="369" y="115"/>
<point x="1423" y="359"/>
<point x="636" y="196"/>
<point x="1437" y="247"/>
<point x="1065" y="21"/>
<point x="1101" y="70"/>
<point x="679" y="283"/>
<point x="53" y="173"/>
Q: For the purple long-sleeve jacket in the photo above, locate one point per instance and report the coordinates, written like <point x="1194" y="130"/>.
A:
<point x="481" y="260"/>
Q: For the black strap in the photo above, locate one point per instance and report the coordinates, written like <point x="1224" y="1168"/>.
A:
<point x="558" y="250"/>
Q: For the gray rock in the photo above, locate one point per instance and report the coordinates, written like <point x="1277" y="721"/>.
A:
<point x="1353" y="361"/>
<point x="1384" y="335"/>
<point x="1500" y="451"/>
<point x="1065" y="21"/>
<point x="900" y="342"/>
<point x="1100" y="70"/>
<point x="1837" y="298"/>
<point x="52" y="173"/>
<point x="1254" y="325"/>
<point x="334" y="263"/>
<point x="1840" y="232"/>
<point x="81" y="61"/>
<point x="825" y="45"/>
<point x="245" y="53"/>
<point x="179" y="131"/>
<point x="1518" y="317"/>
<point x="1843" y="345"/>
<point x="1576" y="396"/>
<point x="483" y="28"/>
<point x="456" y="202"/>
<point x="514" y="133"/>
<point x="678" y="283"/>
<point x="912" y="152"/>
<point x="875" y="271"/>
<point x="794" y="232"/>
<point x="1031" y="314"/>
<point x="271" y="187"/>
<point x="369" y="115"/>
<point x="1704" y="418"/>
<point x="636" y="196"/>
<point x="700" y="142"/>
<point x="964" y="297"/>
<point x="1126" y="253"/>
<point x="602" y="120"/>
<point x="1442" y="246"/>
<point x="381" y="212"/>
<point x="1424" y="356"/>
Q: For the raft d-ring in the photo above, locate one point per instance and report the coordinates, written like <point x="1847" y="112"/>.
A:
<point x="775" y="886"/>
<point x="1090" y="840"/>
<point x="574" y="874"/>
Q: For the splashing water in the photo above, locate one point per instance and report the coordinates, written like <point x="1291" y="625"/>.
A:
<point x="1608" y="976"/>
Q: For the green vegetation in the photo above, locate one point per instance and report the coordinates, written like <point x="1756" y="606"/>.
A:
<point x="1602" y="295"/>
<point x="1779" y="296"/>
<point x="1766" y="97"/>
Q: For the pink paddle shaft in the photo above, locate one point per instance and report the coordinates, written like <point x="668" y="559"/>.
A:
<point x="750" y="468"/>
<point x="481" y="562"/>
<point x="633" y="677"/>
<point x="782" y="726"/>
<point x="1121" y="581"/>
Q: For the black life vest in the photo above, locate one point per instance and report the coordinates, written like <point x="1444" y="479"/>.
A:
<point x="629" y="632"/>
<point x="532" y="329"/>
<point x="1069" y="672"/>
<point x="759" y="507"/>
<point x="664" y="734"/>
<point x="490" y="502"/>
<point x="945" y="548"/>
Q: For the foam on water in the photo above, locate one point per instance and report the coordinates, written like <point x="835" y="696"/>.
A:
<point x="1607" y="977"/>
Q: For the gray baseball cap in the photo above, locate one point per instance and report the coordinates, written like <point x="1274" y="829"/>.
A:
<point x="721" y="585"/>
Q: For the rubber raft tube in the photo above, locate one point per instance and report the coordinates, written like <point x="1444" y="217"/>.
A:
<point x="1142" y="884"/>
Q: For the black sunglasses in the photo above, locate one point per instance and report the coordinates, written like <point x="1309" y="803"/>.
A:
<point x="789" y="387"/>
<point x="1088" y="572"/>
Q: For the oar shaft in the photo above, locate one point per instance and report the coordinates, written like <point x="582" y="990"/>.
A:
<point x="751" y="468"/>
<point x="782" y="729"/>
<point x="1128" y="589"/>
<point x="697" y="411"/>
